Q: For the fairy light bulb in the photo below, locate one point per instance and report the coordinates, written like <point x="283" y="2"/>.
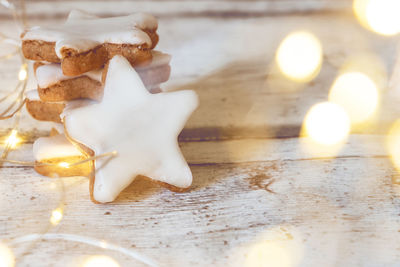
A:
<point x="100" y="261"/>
<point x="6" y="256"/>
<point x="327" y="123"/>
<point x="63" y="164"/>
<point x="13" y="140"/>
<point x="23" y="73"/>
<point x="357" y="94"/>
<point x="299" y="56"/>
<point x="56" y="216"/>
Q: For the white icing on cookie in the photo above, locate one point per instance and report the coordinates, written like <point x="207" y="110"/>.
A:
<point x="142" y="128"/>
<point x="77" y="103"/>
<point x="83" y="33"/>
<point x="49" y="74"/>
<point x="51" y="147"/>
<point x="80" y="15"/>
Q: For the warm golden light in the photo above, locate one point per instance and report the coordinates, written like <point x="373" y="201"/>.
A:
<point x="63" y="164"/>
<point x="268" y="254"/>
<point x="299" y="56"/>
<point x="357" y="94"/>
<point x="6" y="256"/>
<point x="379" y="16"/>
<point x="13" y="140"/>
<point x="277" y="247"/>
<point x="327" y="123"/>
<point x="100" y="261"/>
<point x="23" y="73"/>
<point x="393" y="144"/>
<point x="369" y="64"/>
<point x="56" y="216"/>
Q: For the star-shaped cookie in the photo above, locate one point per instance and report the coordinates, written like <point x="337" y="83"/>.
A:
<point x="85" y="42"/>
<point x="141" y="127"/>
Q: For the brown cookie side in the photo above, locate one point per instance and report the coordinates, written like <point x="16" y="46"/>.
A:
<point x="45" y="111"/>
<point x="136" y="55"/>
<point x="75" y="63"/>
<point x="75" y="88"/>
<point x="39" y="51"/>
<point x="153" y="36"/>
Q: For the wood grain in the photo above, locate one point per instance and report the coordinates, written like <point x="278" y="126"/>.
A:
<point x="347" y="200"/>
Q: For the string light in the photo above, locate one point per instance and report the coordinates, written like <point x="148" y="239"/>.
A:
<point x="327" y="123"/>
<point x="56" y="216"/>
<point x="84" y="240"/>
<point x="63" y="164"/>
<point x="23" y="73"/>
<point x="357" y="94"/>
<point x="13" y="139"/>
<point x="6" y="256"/>
<point x="299" y="56"/>
<point x="100" y="261"/>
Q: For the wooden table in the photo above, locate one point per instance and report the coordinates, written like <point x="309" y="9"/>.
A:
<point x="255" y="190"/>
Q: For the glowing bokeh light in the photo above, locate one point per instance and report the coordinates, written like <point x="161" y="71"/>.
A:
<point x="299" y="56"/>
<point x="63" y="164"/>
<point x="370" y="64"/>
<point x="6" y="256"/>
<point x="327" y="123"/>
<point x="23" y="73"/>
<point x="100" y="261"/>
<point x="357" y="94"/>
<point x="13" y="140"/>
<point x="268" y="254"/>
<point x="379" y="16"/>
<point x="393" y="144"/>
<point x="277" y="247"/>
<point x="56" y="216"/>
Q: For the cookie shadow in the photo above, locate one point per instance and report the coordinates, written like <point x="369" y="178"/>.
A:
<point x="141" y="188"/>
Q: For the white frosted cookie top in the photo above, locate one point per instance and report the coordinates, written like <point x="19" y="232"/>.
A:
<point x="83" y="33"/>
<point x="49" y="74"/>
<point x="141" y="127"/>
<point x="52" y="147"/>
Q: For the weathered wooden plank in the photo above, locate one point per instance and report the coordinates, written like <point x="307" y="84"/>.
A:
<point x="337" y="212"/>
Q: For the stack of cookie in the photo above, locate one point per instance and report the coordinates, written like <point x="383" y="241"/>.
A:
<point x="71" y="65"/>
